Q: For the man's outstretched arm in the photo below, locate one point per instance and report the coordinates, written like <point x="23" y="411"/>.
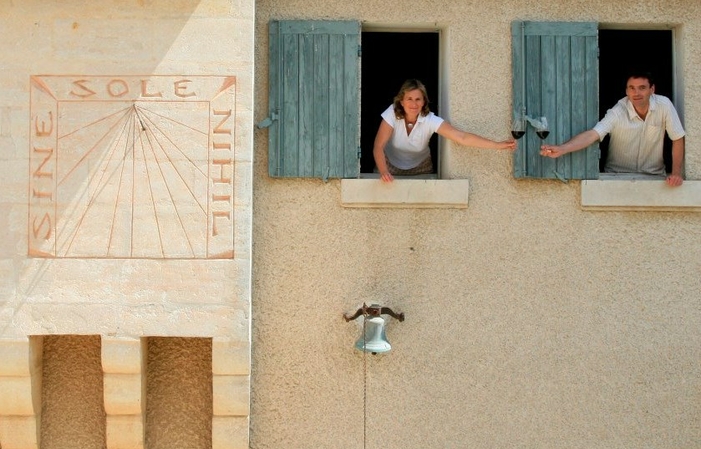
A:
<point x="581" y="140"/>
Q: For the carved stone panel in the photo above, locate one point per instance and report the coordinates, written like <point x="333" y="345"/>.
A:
<point x="132" y="167"/>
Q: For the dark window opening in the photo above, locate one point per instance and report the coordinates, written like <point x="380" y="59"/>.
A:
<point x="387" y="60"/>
<point x="620" y="50"/>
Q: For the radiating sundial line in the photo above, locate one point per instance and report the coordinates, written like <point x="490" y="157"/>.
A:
<point x="180" y="175"/>
<point x="100" y="185"/>
<point x="151" y="146"/>
<point x="96" y="145"/>
<point x="133" y="182"/>
<point x="67" y="219"/>
<point x="171" y="120"/>
<point x="153" y="200"/>
<point x="119" y="184"/>
<point x="124" y="113"/>
<point x="131" y="128"/>
<point x="175" y="145"/>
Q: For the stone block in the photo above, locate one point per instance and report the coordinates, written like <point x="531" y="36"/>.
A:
<point x="16" y="396"/>
<point x="18" y="432"/>
<point x="229" y="432"/>
<point x="14" y="357"/>
<point x="122" y="393"/>
<point x="121" y="355"/>
<point x="231" y="395"/>
<point x="230" y="357"/>
<point x="125" y="432"/>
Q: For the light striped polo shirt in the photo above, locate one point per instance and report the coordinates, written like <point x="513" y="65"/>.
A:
<point x="636" y="144"/>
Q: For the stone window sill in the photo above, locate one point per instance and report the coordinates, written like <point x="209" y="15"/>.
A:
<point x="415" y="192"/>
<point x="614" y="192"/>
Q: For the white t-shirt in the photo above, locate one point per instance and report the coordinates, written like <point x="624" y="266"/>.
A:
<point x="405" y="150"/>
<point x="636" y="144"/>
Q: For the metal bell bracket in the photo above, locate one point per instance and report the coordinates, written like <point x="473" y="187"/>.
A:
<point x="374" y="310"/>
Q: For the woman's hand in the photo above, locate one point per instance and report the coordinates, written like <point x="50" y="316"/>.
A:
<point x="386" y="177"/>
<point x="384" y="133"/>
<point x="507" y="145"/>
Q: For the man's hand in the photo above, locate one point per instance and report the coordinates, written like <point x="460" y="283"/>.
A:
<point x="674" y="180"/>
<point x="552" y="151"/>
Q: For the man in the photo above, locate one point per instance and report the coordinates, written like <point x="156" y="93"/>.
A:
<point x="637" y="124"/>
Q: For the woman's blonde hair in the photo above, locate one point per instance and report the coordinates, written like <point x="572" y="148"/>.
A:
<point x="409" y="85"/>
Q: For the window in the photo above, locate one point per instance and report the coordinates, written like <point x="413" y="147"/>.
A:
<point x="388" y="59"/>
<point x="314" y="105"/>
<point x="556" y="73"/>
<point x="572" y="73"/>
<point x="621" y="49"/>
<point x="314" y="114"/>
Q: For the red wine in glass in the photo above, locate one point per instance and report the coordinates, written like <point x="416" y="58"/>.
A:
<point x="518" y="127"/>
<point x="542" y="128"/>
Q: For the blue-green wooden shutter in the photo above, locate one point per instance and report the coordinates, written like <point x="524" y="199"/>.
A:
<point x="314" y="99"/>
<point x="555" y="74"/>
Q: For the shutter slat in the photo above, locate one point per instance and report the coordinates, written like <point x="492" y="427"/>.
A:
<point x="534" y="166"/>
<point x="518" y="88"/>
<point x="289" y="116"/>
<point x="560" y="107"/>
<point x="592" y="105"/>
<point x="580" y="96"/>
<point x="274" y="96"/>
<point x="549" y="101"/>
<point x="350" y="132"/>
<point x="321" y="94"/>
<point x="335" y="118"/>
<point x="305" y="105"/>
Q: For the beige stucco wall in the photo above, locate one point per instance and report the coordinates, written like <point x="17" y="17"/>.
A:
<point x="529" y="322"/>
<point x="105" y="304"/>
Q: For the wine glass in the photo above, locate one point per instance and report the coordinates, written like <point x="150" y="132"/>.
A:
<point x="542" y="129"/>
<point x="518" y="127"/>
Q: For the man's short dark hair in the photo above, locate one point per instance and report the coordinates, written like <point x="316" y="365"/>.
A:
<point x="640" y="73"/>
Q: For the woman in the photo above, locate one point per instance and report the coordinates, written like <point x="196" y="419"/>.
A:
<point x="401" y="143"/>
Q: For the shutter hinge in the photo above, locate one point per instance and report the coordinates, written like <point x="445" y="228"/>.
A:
<point x="360" y="153"/>
<point x="268" y="121"/>
<point x="559" y="176"/>
<point x="360" y="51"/>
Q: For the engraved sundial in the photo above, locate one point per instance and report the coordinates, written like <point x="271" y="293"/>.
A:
<point x="131" y="167"/>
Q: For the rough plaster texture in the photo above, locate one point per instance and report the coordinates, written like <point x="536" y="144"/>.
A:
<point x="529" y="322"/>
<point x="179" y="394"/>
<point x="72" y="411"/>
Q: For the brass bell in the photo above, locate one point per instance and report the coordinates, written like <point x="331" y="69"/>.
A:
<point x="372" y="337"/>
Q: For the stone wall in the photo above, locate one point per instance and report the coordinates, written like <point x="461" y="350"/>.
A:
<point x="125" y="166"/>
